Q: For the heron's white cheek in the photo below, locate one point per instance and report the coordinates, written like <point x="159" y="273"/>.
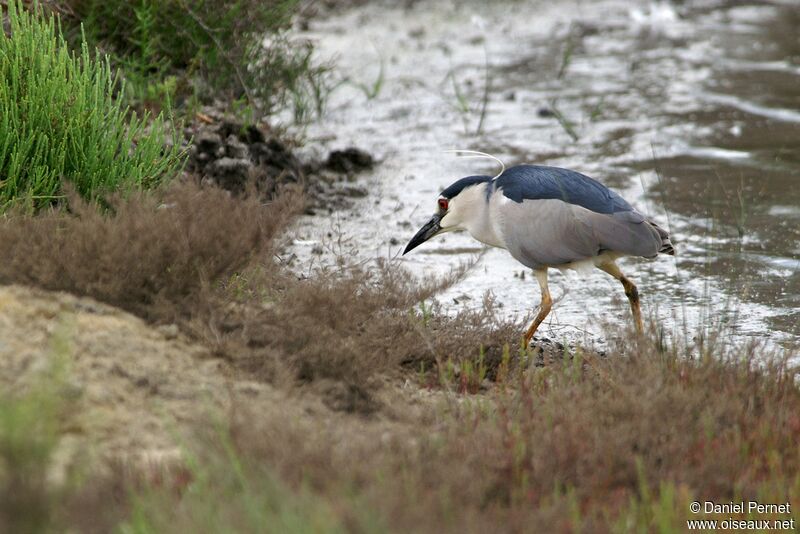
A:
<point x="450" y="222"/>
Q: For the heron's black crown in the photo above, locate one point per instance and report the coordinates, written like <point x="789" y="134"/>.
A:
<point x="456" y="187"/>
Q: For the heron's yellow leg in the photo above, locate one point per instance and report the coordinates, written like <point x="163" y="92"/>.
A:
<point x="630" y="291"/>
<point x="544" y="307"/>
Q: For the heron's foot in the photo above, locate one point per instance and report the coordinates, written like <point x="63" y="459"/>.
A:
<point x="536" y="343"/>
<point x="637" y="323"/>
<point x="544" y="309"/>
<point x="529" y="335"/>
<point x="633" y="297"/>
<point x="537" y="340"/>
<point x="630" y="291"/>
<point x="544" y="351"/>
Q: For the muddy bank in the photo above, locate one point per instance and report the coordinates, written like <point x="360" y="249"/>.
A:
<point x="133" y="395"/>
<point x="120" y="376"/>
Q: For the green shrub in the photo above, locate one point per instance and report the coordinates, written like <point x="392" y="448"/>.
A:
<point x="203" y="48"/>
<point x="59" y="120"/>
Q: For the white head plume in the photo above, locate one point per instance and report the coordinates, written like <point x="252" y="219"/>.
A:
<point x="477" y="154"/>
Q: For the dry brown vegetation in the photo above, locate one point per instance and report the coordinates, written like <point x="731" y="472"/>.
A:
<point x="152" y="254"/>
<point x="589" y="444"/>
<point x="434" y="422"/>
<point x="203" y="259"/>
<point x="585" y="444"/>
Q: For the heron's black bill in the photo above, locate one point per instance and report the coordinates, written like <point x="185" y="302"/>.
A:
<point x="430" y="229"/>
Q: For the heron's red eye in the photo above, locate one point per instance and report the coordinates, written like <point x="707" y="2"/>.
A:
<point x="443" y="204"/>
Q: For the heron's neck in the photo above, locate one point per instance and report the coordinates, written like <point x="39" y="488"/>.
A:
<point x="480" y="224"/>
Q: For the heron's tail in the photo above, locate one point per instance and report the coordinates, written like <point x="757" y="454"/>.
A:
<point x="666" y="243"/>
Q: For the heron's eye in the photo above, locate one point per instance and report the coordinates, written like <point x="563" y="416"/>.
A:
<point x="443" y="204"/>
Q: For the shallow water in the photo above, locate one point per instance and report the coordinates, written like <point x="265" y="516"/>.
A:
<point x="691" y="111"/>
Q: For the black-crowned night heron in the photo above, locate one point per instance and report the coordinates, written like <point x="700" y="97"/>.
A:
<point x="549" y="217"/>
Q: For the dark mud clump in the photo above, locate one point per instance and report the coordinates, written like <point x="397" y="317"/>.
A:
<point x="349" y="161"/>
<point x="231" y="154"/>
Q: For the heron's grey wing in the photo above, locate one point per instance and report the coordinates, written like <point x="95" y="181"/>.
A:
<point x="547" y="232"/>
<point x="551" y="232"/>
<point x="627" y="232"/>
